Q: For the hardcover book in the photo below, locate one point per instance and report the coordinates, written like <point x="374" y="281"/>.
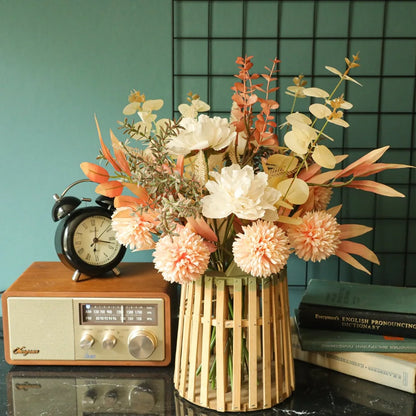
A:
<point x="329" y="340"/>
<point x="396" y="370"/>
<point x="346" y="306"/>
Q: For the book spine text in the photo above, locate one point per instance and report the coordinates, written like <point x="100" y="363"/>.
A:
<point x="357" y="320"/>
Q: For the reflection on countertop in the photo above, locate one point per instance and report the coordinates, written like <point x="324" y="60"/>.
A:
<point x="122" y="391"/>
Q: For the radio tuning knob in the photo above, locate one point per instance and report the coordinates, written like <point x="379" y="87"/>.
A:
<point x="109" y="341"/>
<point x="87" y="341"/>
<point x="142" y="344"/>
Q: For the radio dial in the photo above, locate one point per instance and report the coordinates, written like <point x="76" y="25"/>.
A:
<point x="142" y="344"/>
<point x="87" y="341"/>
<point x="109" y="341"/>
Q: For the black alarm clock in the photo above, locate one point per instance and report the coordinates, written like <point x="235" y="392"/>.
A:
<point x="84" y="238"/>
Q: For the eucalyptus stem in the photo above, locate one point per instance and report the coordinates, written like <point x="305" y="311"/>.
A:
<point x="320" y="133"/>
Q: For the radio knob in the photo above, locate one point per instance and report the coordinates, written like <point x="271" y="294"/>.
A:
<point x="90" y="397"/>
<point x="109" y="341"/>
<point x="111" y="397"/>
<point x="87" y="341"/>
<point x="142" y="397"/>
<point x="142" y="344"/>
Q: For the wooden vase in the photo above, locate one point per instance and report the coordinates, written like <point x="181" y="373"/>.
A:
<point x="233" y="349"/>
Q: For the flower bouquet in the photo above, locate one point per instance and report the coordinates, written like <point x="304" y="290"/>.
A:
<point x="234" y="198"/>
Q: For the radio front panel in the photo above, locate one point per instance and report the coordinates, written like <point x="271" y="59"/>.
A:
<point x="49" y="319"/>
<point x="96" y="329"/>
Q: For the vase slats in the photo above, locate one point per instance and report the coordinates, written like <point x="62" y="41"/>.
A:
<point x="206" y="340"/>
<point x="237" y="342"/>
<point x="234" y="351"/>
<point x="195" y="334"/>
<point x="266" y="351"/>
<point x="252" y="342"/>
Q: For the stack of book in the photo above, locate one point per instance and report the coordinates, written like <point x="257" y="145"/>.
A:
<point x="368" y="331"/>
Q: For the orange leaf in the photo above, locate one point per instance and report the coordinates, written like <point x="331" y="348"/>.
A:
<point x="307" y="173"/>
<point x="269" y="142"/>
<point x="359" y="249"/>
<point x="273" y="89"/>
<point x="334" y="210"/>
<point x="351" y="260"/>
<point x="200" y="227"/>
<point x="110" y="189"/>
<point x="180" y="164"/>
<point x="373" y="168"/>
<point x="138" y="191"/>
<point x="352" y="230"/>
<point x="238" y="100"/>
<point x="252" y="99"/>
<point x="127" y="201"/>
<point x="369" y="158"/>
<point x="128" y="212"/>
<point x="324" y="177"/>
<point x="94" y="172"/>
<point x="104" y="148"/>
<point x="376" y="188"/>
<point x="119" y="154"/>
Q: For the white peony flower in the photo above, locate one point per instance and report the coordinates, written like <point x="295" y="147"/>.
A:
<point x="202" y="133"/>
<point x="239" y="191"/>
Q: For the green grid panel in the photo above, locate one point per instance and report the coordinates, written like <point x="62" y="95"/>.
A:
<point x="295" y="56"/>
<point x="367" y="18"/>
<point x="262" y="14"/>
<point x="370" y="53"/>
<point x="188" y="21"/>
<point x="221" y="94"/>
<point x="329" y="52"/>
<point x="400" y="19"/>
<point x="306" y="36"/>
<point x="223" y="52"/>
<point x="296" y="19"/>
<point x="395" y="130"/>
<point x="362" y="132"/>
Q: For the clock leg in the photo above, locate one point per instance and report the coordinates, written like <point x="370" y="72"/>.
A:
<point x="116" y="272"/>
<point x="76" y="275"/>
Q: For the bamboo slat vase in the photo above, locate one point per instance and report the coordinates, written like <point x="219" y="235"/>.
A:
<point x="234" y="349"/>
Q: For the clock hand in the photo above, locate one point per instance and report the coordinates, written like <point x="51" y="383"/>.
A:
<point x="109" y="226"/>
<point x="96" y="240"/>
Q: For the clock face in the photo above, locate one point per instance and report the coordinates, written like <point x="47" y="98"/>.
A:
<point x="94" y="241"/>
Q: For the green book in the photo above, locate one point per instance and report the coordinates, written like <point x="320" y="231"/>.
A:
<point x="357" y="307"/>
<point x="336" y="341"/>
<point x="393" y="299"/>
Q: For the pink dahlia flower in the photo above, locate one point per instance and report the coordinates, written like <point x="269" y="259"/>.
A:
<point x="317" y="237"/>
<point x="262" y="249"/>
<point x="181" y="258"/>
<point x="133" y="229"/>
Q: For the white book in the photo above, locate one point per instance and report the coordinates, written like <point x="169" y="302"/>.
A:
<point x="396" y="370"/>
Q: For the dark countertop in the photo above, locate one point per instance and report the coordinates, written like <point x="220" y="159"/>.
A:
<point x="115" y="391"/>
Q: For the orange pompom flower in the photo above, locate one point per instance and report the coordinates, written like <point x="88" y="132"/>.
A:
<point x="262" y="249"/>
<point x="183" y="257"/>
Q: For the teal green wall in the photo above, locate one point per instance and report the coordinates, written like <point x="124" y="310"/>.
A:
<point x="61" y="61"/>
